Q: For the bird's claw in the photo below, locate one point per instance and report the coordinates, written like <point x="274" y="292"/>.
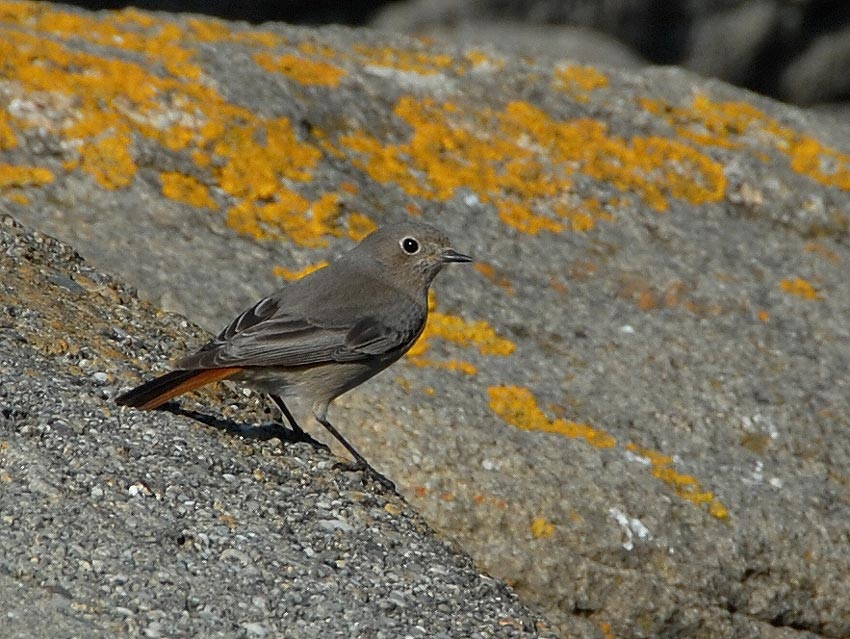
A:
<point x="363" y="466"/>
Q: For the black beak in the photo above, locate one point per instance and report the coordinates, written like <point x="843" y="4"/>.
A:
<point x="451" y="255"/>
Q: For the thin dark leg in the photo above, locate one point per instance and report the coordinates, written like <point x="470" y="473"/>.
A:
<point x="360" y="462"/>
<point x="298" y="433"/>
<point x="277" y="399"/>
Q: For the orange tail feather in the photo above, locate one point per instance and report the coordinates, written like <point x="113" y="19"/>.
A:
<point x="156" y="392"/>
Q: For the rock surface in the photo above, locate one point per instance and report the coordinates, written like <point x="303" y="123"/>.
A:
<point x="634" y="409"/>
<point x="154" y="525"/>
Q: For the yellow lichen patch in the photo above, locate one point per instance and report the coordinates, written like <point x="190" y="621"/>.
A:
<point x="821" y="163"/>
<point x="685" y="486"/>
<point x="19" y="176"/>
<point x="521" y="160"/>
<point x="253" y="169"/>
<point x="108" y="160"/>
<point x="518" y="407"/>
<point x="478" y="334"/>
<point x="212" y="30"/>
<point x="186" y="189"/>
<point x="522" y="218"/>
<point x="801" y="288"/>
<point x="460" y="331"/>
<point x="454" y="365"/>
<point x="16" y="196"/>
<point x="318" y="50"/>
<point x="288" y="274"/>
<point x="8" y="139"/>
<point x="579" y="80"/>
<point x="290" y="215"/>
<point x="102" y="105"/>
<point x="265" y="39"/>
<point x="584" y="216"/>
<point x="421" y="62"/>
<point x="480" y="60"/>
<point x="207" y="30"/>
<point x="300" y="69"/>
<point x="742" y="125"/>
<point x="359" y="226"/>
<point x="541" y="528"/>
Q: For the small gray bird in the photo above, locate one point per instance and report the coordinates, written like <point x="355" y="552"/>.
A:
<point x="324" y="334"/>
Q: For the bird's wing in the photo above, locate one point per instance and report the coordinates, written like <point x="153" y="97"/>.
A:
<point x="267" y="335"/>
<point x="371" y="337"/>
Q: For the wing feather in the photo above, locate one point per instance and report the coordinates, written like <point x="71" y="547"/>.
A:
<point x="266" y="335"/>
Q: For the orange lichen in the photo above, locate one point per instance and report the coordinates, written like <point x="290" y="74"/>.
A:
<point x="300" y="69"/>
<point x="454" y="365"/>
<point x="520" y="159"/>
<point x="479" y="59"/>
<point x="108" y="160"/>
<point x="460" y="331"/>
<point x="186" y="189"/>
<point x="580" y="221"/>
<point x="265" y="39"/>
<point x="8" y="139"/>
<point x="319" y="50"/>
<point x="19" y="176"/>
<point x="541" y="528"/>
<point x="291" y="275"/>
<point x="523" y="219"/>
<point x="164" y="98"/>
<point x="455" y="329"/>
<point x="579" y="80"/>
<point x="742" y="125"/>
<point x="421" y="62"/>
<point x="685" y="486"/>
<point x="359" y="226"/>
<point x="801" y="288"/>
<point x="290" y="215"/>
<point x="518" y="407"/>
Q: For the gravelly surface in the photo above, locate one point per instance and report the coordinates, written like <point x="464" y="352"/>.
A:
<point x="122" y="523"/>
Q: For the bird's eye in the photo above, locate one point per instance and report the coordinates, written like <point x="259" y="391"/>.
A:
<point x="409" y="245"/>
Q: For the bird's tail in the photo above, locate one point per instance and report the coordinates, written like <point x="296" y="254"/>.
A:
<point x="159" y="390"/>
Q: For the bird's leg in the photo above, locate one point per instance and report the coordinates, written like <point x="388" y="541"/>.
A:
<point x="277" y="399"/>
<point x="360" y="462"/>
<point x="298" y="433"/>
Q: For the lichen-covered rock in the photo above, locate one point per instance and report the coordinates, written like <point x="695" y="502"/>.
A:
<point x="634" y="409"/>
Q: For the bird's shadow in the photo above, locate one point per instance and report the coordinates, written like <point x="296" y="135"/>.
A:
<point x="261" y="432"/>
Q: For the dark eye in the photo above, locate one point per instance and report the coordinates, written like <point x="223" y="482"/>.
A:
<point x="410" y="246"/>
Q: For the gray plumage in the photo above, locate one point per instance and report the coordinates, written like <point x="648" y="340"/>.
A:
<point x="326" y="333"/>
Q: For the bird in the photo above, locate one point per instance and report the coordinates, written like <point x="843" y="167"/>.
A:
<point x="324" y="334"/>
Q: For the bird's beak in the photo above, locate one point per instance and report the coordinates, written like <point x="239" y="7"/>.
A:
<point x="451" y="255"/>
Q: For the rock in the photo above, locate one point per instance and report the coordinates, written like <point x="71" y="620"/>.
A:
<point x="633" y="409"/>
<point x="181" y="550"/>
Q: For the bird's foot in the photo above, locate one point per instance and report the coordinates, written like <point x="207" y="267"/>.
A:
<point x="291" y="435"/>
<point x="361" y="465"/>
